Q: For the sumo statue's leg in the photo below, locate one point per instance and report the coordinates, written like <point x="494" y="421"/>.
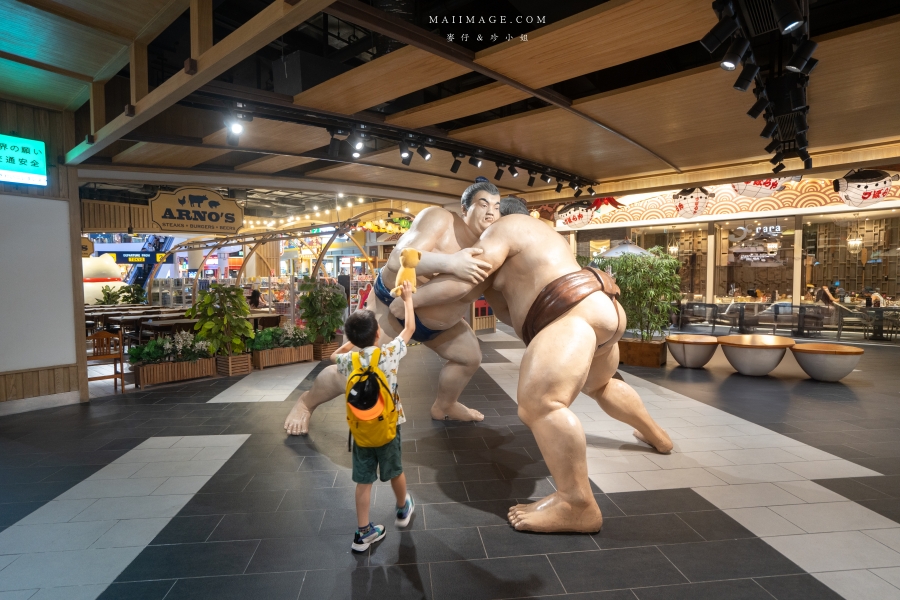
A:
<point x="620" y="401"/>
<point x="553" y="370"/>
<point x="328" y="384"/>
<point x="459" y="347"/>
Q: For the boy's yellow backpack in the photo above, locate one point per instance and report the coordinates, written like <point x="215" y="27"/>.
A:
<point x="371" y="409"/>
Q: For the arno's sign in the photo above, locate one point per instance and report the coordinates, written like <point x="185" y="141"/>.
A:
<point x="195" y="210"/>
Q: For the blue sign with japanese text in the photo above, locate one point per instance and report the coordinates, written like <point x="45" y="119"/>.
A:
<point x="22" y="161"/>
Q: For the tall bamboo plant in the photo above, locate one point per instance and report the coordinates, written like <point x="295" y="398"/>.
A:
<point x="649" y="284"/>
<point x="222" y="312"/>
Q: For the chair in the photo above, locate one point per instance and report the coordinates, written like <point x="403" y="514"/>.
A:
<point x="273" y="321"/>
<point x="106" y="348"/>
<point x="853" y="317"/>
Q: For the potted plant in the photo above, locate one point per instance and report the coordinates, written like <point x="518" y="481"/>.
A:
<point x="222" y="312"/>
<point x="110" y="295"/>
<point x="133" y="294"/>
<point x="649" y="284"/>
<point x="168" y="359"/>
<point x="323" y="307"/>
<point x="280" y="346"/>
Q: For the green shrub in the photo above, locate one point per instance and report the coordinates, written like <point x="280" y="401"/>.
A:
<point x="222" y="312"/>
<point x="323" y="308"/>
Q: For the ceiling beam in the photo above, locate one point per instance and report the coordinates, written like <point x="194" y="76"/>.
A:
<point x="45" y="67"/>
<point x="381" y="22"/>
<point x="121" y="34"/>
<point x="273" y="21"/>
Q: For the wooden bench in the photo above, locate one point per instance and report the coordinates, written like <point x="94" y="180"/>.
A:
<point x="827" y="362"/>
<point x="754" y="355"/>
<point x="692" y="351"/>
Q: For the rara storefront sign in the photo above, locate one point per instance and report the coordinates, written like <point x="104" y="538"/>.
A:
<point x="196" y="210"/>
<point x="22" y="161"/>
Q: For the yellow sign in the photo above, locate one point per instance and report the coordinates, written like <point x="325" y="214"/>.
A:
<point x="87" y="247"/>
<point x="160" y="257"/>
<point x="196" y="210"/>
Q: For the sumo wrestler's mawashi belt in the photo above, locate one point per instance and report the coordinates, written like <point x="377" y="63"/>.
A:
<point x="561" y="294"/>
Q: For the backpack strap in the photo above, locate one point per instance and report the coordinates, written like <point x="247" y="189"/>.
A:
<point x="354" y="357"/>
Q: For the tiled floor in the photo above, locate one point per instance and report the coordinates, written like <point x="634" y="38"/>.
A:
<point x="161" y="493"/>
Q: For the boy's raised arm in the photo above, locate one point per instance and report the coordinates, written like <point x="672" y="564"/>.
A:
<point x="409" y="327"/>
<point x="342" y="350"/>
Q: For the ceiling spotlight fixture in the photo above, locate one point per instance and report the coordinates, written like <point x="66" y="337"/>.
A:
<point x="809" y="66"/>
<point x="573" y="185"/>
<point x="807" y="164"/>
<point x="558" y="186"/>
<point x="757" y="109"/>
<point x="787" y="15"/>
<point x="356" y="154"/>
<point x="803" y="153"/>
<point x="778" y="168"/>
<point x="499" y="172"/>
<point x="360" y="199"/>
<point x="236" y="128"/>
<point x="800" y="123"/>
<point x="779" y="156"/>
<point x="720" y="32"/>
<point x="356" y="142"/>
<point x="546" y="178"/>
<point x="578" y="192"/>
<point x="591" y="191"/>
<point x="404" y="150"/>
<point x="769" y="129"/>
<point x="317" y="214"/>
<point x="531" y="178"/>
<point x="773" y="145"/>
<point x="801" y="140"/>
<point x="457" y="163"/>
<point x="423" y="152"/>
<point x="735" y="53"/>
<point x="315" y="207"/>
<point x="334" y="147"/>
<point x="513" y="171"/>
<point x="475" y="162"/>
<point x="748" y="74"/>
<point x="801" y="56"/>
<point x="340" y="194"/>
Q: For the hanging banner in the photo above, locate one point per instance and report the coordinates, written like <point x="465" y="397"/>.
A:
<point x="196" y="210"/>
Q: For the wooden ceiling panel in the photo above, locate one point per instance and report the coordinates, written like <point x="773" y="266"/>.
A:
<point x="272" y="164"/>
<point x="166" y="155"/>
<point x="392" y="177"/>
<point x="853" y="90"/>
<point x="607" y="35"/>
<point x="129" y="15"/>
<point x="43" y="88"/>
<point x="560" y="139"/>
<point x="486" y="97"/>
<point x="401" y="72"/>
<point x="275" y="136"/>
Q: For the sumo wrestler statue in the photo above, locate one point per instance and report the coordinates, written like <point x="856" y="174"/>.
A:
<point x="570" y="321"/>
<point x="444" y="240"/>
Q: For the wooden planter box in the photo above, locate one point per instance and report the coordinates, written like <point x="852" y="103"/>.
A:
<point x="167" y="372"/>
<point x="322" y="350"/>
<point x="281" y="356"/>
<point x="486" y="323"/>
<point x="239" y="364"/>
<point x="642" y="354"/>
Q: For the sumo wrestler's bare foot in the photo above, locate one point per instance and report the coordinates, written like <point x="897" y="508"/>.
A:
<point x="297" y="422"/>
<point x="660" y="442"/>
<point x="455" y="412"/>
<point x="556" y="514"/>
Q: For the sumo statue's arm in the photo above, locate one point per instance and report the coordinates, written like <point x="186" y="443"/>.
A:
<point x="425" y="234"/>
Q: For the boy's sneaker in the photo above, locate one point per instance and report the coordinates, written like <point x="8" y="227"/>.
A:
<point x="405" y="513"/>
<point x="362" y="541"/>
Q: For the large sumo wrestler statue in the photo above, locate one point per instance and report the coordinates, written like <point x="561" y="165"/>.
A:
<point x="570" y="321"/>
<point x="444" y="240"/>
<point x="99" y="271"/>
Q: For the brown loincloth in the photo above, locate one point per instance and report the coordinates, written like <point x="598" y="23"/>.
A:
<point x="561" y="294"/>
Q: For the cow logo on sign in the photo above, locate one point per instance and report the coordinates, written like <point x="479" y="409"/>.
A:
<point x="862" y="188"/>
<point x="196" y="210"/>
<point x="762" y="188"/>
<point x="691" y="202"/>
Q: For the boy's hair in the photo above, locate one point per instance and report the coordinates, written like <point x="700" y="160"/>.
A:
<point x="361" y="328"/>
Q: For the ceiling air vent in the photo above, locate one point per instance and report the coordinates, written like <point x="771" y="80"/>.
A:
<point x="758" y="16"/>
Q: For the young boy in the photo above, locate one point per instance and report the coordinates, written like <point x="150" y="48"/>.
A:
<point x="363" y="332"/>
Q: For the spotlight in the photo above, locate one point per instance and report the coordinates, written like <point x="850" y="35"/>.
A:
<point x="809" y="66"/>
<point x="456" y="162"/>
<point x="423" y="152"/>
<point x="769" y="129"/>
<point x="773" y="145"/>
<point x="800" y="123"/>
<point x="779" y="156"/>
<point x="573" y="185"/>
<point x="356" y="154"/>
<point x="803" y="153"/>
<point x="807" y="164"/>
<point x="748" y="74"/>
<point x="340" y="194"/>
<point x="475" y="162"/>
<point x="546" y="178"/>
<point x="334" y="147"/>
<point x="734" y="54"/>
<point x="558" y="186"/>
<point x="722" y="30"/>
<point x="787" y="15"/>
<point x="761" y="104"/>
<point x="236" y="128"/>
<point x="499" y="172"/>
<point x="778" y="168"/>
<point x="315" y="207"/>
<point x="513" y="171"/>
<point x="801" y="56"/>
<point x="406" y="159"/>
<point x="531" y="177"/>
<point x="404" y="149"/>
<point x="591" y="191"/>
<point x="802" y="142"/>
<point x="356" y="142"/>
<point x="360" y="200"/>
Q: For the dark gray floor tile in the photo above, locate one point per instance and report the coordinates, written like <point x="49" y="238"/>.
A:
<point x="645" y="530"/>
<point x="466" y="514"/>
<point x="291" y="481"/>
<point x="427" y="546"/>
<point x="886" y="507"/>
<point x="738" y="589"/>
<point x="225" y="503"/>
<point x="11" y="513"/>
<point x="378" y="583"/>
<point x="876" y="435"/>
<point x="660" y="501"/>
<point x="262" y="525"/>
<point x="614" y="569"/>
<point x="731" y="559"/>
<point x="478" y="472"/>
<point x="877" y="449"/>
<point x="611" y="595"/>
<point x="185" y="530"/>
<point x="854" y="489"/>
<point x="429" y="459"/>
<point x="797" y="587"/>
<point x="270" y="586"/>
<point x="510" y="457"/>
<point x="607" y="506"/>
<point x="509" y="488"/>
<point x="342" y="521"/>
<point x="889" y="484"/>
<point x="263" y="465"/>
<point x="33" y="492"/>
<point x="140" y="590"/>
<point x="715" y="525"/>
<point x="503" y="540"/>
<point x="522" y="576"/>
<point x="885" y="466"/>
<point x="327" y="463"/>
<point x="450" y="444"/>
<point x="190" y="560"/>
<point x="226" y="483"/>
<point x="842" y="451"/>
<point x="323" y="498"/>
<point x="428" y="493"/>
<point x="304" y="553"/>
<point x="74" y="474"/>
<point x="26" y="474"/>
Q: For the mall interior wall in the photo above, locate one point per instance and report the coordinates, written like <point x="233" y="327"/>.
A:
<point x="43" y="360"/>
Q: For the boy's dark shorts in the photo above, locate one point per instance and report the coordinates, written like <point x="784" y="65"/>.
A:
<point x="385" y="458"/>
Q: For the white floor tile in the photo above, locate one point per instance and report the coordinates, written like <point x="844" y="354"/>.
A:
<point x="707" y="431"/>
<point x="833" y="516"/>
<point x="687" y="460"/>
<point x="206" y="441"/>
<point x="216" y="453"/>
<point x="846" y="550"/>
<point x="758" y="456"/>
<point x="113" y="488"/>
<point x="888" y="537"/>
<point x="58" y="569"/>
<point x="743" y="496"/>
<point x="158" y="442"/>
<point x="703" y="444"/>
<point x="180" y="469"/>
<point x="810" y="491"/>
<point x="131" y="532"/>
<point x="181" y="485"/>
<point x="141" y="507"/>
<point x="762" y="522"/>
<point x="23" y="539"/>
<point x="773" y="440"/>
<point x="829" y="469"/>
<point x="620" y="464"/>
<point x="859" y="585"/>
<point x="151" y="455"/>
<point x="79" y="592"/>
<point x="18" y="595"/>
<point x="810" y="453"/>
<point x="891" y="575"/>
<point x="611" y="483"/>
<point x="675" y="478"/>
<point x="740" y="474"/>
<point x="117" y="471"/>
<point x="57" y="511"/>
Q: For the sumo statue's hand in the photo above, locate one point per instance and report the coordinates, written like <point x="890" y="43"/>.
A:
<point x="468" y="268"/>
<point x="397" y="308"/>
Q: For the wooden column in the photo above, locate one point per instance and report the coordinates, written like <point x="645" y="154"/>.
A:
<point x="138" y="68"/>
<point x="98" y="106"/>
<point x="201" y="27"/>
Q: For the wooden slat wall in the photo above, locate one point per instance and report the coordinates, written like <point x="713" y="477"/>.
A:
<point x="100" y="217"/>
<point x="37" y="124"/>
<point x="17" y="385"/>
